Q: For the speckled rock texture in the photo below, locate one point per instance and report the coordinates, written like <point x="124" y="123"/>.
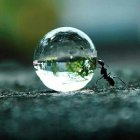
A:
<point x="28" y="110"/>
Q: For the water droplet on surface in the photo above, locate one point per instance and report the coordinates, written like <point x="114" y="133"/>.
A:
<point x="60" y="62"/>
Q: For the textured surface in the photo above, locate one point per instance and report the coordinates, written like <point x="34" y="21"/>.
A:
<point x="30" y="111"/>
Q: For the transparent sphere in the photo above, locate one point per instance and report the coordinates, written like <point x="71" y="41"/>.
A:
<point x="65" y="59"/>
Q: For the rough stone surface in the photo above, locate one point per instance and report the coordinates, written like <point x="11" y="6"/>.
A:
<point x="28" y="110"/>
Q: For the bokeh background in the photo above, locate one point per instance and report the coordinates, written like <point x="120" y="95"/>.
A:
<point x="114" y="26"/>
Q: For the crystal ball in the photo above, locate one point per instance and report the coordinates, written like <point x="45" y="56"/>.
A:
<point x="65" y="59"/>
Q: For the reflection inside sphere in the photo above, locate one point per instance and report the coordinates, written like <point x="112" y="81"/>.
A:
<point x="65" y="59"/>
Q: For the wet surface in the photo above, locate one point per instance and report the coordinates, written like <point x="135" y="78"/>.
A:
<point x="31" y="111"/>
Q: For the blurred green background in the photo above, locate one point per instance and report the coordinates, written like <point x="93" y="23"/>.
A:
<point x="114" y="26"/>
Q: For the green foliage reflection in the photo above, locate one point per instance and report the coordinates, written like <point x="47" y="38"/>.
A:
<point x="81" y="66"/>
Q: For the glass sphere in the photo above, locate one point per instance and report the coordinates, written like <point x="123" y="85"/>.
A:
<point x="65" y="59"/>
